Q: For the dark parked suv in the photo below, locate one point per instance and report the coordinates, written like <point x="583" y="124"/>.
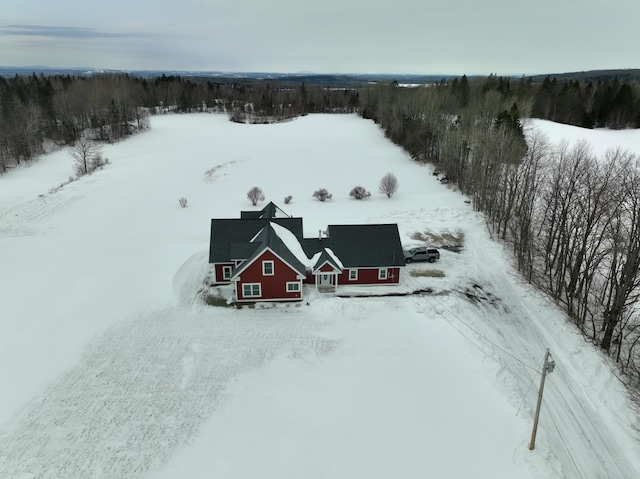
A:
<point x="421" y="253"/>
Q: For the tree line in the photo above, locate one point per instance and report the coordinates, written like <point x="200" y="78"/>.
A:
<point x="37" y="111"/>
<point x="570" y="217"/>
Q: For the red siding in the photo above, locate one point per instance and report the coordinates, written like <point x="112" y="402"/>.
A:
<point x="370" y="276"/>
<point x="327" y="268"/>
<point x="273" y="287"/>
<point x="220" y="273"/>
<point x="310" y="279"/>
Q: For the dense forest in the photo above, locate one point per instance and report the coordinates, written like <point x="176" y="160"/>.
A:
<point x="571" y="219"/>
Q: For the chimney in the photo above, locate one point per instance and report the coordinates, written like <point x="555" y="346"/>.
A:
<point x="319" y="234"/>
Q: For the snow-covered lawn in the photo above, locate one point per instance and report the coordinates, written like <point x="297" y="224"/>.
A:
<point x="109" y="369"/>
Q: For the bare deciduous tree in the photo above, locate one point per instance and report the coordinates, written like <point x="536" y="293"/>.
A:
<point x="388" y="185"/>
<point x="87" y="156"/>
<point x="322" y="194"/>
<point x="255" y="194"/>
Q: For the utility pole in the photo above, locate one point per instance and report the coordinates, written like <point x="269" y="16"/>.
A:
<point x="546" y="367"/>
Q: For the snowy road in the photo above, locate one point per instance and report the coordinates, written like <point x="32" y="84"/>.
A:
<point x="522" y="326"/>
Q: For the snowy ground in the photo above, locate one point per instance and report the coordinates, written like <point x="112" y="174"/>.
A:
<point x="110" y="370"/>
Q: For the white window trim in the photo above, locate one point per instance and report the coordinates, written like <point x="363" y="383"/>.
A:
<point x="264" y="269"/>
<point x="251" y="292"/>
<point x="353" y="275"/>
<point x="383" y="274"/>
<point x="226" y="272"/>
<point x="293" y="287"/>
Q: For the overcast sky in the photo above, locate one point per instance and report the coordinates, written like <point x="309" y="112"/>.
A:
<point x="506" y="37"/>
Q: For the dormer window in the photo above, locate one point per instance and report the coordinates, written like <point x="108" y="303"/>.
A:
<point x="267" y="268"/>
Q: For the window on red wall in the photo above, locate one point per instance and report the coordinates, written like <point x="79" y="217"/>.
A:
<point x="382" y="273"/>
<point x="226" y="272"/>
<point x="353" y="274"/>
<point x="293" y="287"/>
<point x="267" y="268"/>
<point x="250" y="290"/>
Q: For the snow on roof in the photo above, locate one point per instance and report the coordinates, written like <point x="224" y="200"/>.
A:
<point x="315" y="257"/>
<point x="335" y="258"/>
<point x="292" y="243"/>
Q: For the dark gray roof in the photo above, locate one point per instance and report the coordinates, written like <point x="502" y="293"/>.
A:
<point x="268" y="238"/>
<point x="325" y="257"/>
<point x="270" y="211"/>
<point x="241" y="251"/>
<point x="376" y="245"/>
<point x="226" y="232"/>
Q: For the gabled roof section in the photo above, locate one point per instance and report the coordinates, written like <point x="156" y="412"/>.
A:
<point x="242" y="251"/>
<point x="269" y="238"/>
<point x="326" y="256"/>
<point x="376" y="245"/>
<point x="269" y="212"/>
<point x="291" y="243"/>
<point x="226" y="232"/>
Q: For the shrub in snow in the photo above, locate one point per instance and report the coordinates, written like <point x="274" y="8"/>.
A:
<point x="359" y="193"/>
<point x="388" y="185"/>
<point x="255" y="194"/>
<point x="183" y="202"/>
<point x="288" y="199"/>
<point x="322" y="194"/>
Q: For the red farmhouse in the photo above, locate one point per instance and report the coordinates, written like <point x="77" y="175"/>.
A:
<point x="265" y="256"/>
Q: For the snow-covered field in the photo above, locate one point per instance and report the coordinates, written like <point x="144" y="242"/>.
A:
<point x="109" y="369"/>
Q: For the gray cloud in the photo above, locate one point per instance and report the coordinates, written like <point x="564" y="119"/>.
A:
<point x="353" y="36"/>
<point x="62" y="32"/>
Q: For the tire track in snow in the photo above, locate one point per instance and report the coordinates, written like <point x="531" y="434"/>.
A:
<point x="24" y="219"/>
<point x="143" y="389"/>
<point x="578" y="437"/>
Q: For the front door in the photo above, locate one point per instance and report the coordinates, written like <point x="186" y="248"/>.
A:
<point x="326" y="280"/>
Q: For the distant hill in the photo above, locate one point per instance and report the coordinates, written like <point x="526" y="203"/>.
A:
<point x="336" y="80"/>
<point x="324" y="79"/>
<point x="592" y="75"/>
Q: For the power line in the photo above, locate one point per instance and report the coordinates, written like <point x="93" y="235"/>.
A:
<point x="533" y="378"/>
<point x="479" y="334"/>
<point x="528" y="382"/>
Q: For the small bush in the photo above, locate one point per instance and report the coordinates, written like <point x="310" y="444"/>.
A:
<point x="99" y="162"/>
<point x="322" y="194"/>
<point x="359" y="193"/>
<point x="288" y="199"/>
<point x="211" y="300"/>
<point x="183" y="202"/>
